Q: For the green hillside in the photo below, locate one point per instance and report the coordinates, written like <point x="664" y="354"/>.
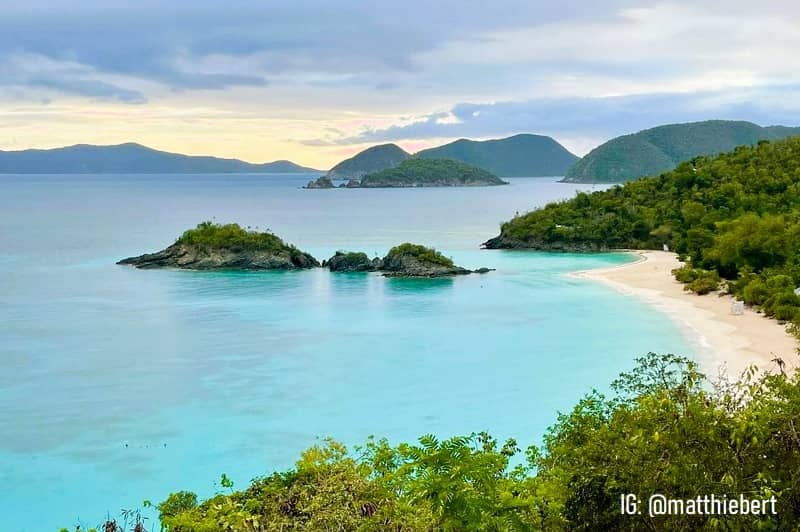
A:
<point x="660" y="149"/>
<point x="518" y="156"/>
<point x="369" y="161"/>
<point x="735" y="217"/>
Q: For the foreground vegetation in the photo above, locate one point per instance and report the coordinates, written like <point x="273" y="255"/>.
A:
<point x="735" y="218"/>
<point x="665" y="429"/>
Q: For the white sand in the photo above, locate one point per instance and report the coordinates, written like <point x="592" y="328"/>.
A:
<point x="724" y="340"/>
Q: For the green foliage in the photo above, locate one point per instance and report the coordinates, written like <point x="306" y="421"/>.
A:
<point x="421" y="253"/>
<point x="417" y="172"/>
<point x="665" y="430"/>
<point x="735" y="216"/>
<point x="704" y="282"/>
<point x="231" y="236"/>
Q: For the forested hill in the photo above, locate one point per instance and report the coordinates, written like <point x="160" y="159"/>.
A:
<point x="130" y="158"/>
<point x="371" y="160"/>
<point x="660" y="149"/>
<point x="736" y="216"/>
<point x="518" y="156"/>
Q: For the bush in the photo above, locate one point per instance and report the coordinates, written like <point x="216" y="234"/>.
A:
<point x="755" y="292"/>
<point x="421" y="253"/>
<point x="685" y="274"/>
<point x="704" y="283"/>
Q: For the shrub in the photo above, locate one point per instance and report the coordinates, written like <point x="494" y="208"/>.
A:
<point x="704" y="283"/>
<point x="421" y="253"/>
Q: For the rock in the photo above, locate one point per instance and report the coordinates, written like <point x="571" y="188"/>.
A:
<point x="198" y="258"/>
<point x="411" y="260"/>
<point x="321" y="182"/>
<point x="351" y="262"/>
<point x="504" y="242"/>
<point x="483" y="270"/>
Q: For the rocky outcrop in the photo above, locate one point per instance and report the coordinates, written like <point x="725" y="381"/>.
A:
<point x="406" y="265"/>
<point x="321" y="182"/>
<point x="191" y="257"/>
<point x="405" y="260"/>
<point x="504" y="242"/>
<point x="352" y="262"/>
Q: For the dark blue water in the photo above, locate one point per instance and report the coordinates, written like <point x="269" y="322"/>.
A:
<point x="119" y="385"/>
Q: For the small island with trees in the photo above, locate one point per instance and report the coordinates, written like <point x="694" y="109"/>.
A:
<point x="212" y="246"/>
<point x="416" y="172"/>
<point x="405" y="260"/>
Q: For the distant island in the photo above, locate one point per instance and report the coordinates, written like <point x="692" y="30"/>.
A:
<point x="521" y="155"/>
<point x="660" y="149"/>
<point x="416" y="172"/>
<point x="405" y="260"/>
<point x="131" y="158"/>
<point x="211" y="246"/>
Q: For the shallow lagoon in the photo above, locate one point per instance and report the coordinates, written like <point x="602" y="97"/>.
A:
<point x="119" y="385"/>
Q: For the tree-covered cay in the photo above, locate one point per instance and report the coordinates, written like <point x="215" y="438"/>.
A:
<point x="212" y="246"/>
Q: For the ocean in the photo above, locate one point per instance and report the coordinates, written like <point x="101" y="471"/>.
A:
<point x="120" y="385"/>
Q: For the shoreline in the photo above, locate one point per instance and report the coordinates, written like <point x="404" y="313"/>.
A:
<point x="724" y="340"/>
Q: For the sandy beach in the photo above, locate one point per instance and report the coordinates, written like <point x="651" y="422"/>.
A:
<point x="724" y="339"/>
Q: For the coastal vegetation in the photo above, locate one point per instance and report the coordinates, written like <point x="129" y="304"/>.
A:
<point x="660" y="149"/>
<point x="734" y="218"/>
<point x="663" y="429"/>
<point x="213" y="246"/>
<point x="521" y="155"/>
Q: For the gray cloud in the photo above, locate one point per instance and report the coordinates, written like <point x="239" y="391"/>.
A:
<point x="593" y="117"/>
<point x="172" y="43"/>
<point x="88" y="87"/>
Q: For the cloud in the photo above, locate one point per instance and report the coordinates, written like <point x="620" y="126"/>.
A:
<point x="602" y="117"/>
<point x="41" y="73"/>
<point x="208" y="45"/>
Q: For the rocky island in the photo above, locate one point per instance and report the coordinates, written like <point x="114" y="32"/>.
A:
<point x="405" y="260"/>
<point x="211" y="246"/>
<point x="416" y="172"/>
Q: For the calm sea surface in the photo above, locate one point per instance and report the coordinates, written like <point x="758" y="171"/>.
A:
<point x="119" y="385"/>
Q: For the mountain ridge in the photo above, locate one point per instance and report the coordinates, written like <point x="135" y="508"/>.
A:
<point x="129" y="157"/>
<point x="520" y="155"/>
<point x="660" y="149"/>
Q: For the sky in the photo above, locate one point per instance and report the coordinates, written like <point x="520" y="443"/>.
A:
<point x="315" y="81"/>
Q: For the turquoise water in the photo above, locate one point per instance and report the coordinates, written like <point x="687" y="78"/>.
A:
<point x="119" y="385"/>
